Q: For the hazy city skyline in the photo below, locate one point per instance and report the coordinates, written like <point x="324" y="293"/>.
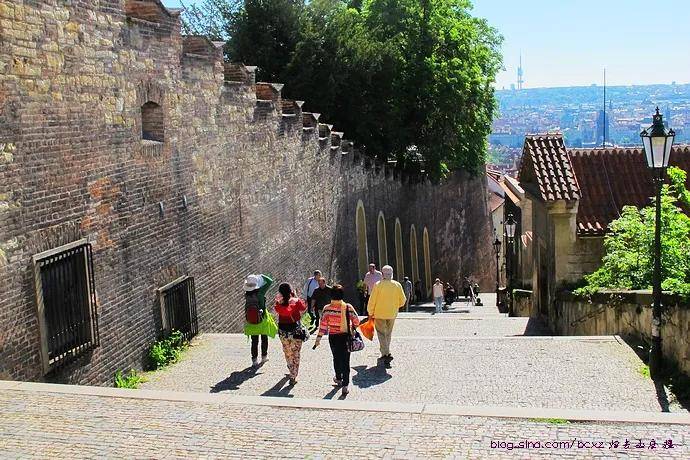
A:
<point x="568" y="43"/>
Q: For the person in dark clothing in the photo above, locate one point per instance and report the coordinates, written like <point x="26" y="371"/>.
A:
<point x="466" y="287"/>
<point x="319" y="299"/>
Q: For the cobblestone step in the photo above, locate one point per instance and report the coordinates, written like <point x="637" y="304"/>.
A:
<point x="41" y="421"/>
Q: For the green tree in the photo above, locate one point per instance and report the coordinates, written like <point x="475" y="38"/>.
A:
<point x="263" y="33"/>
<point x="408" y="79"/>
<point x="628" y="260"/>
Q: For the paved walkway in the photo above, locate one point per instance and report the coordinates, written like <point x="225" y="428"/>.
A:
<point x="469" y="356"/>
<point x="469" y="383"/>
<point x="84" y="422"/>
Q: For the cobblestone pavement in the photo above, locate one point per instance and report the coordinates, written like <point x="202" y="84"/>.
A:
<point x="52" y="425"/>
<point x="453" y="358"/>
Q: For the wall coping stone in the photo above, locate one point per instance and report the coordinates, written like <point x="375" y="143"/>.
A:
<point x="641" y="297"/>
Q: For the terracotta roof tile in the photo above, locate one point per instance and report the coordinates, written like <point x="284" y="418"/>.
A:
<point x="546" y="166"/>
<point x="610" y="178"/>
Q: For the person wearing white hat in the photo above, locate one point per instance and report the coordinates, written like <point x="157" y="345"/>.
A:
<point x="386" y="299"/>
<point x="257" y="321"/>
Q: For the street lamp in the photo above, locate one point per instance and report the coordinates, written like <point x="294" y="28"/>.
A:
<point x="657" y="144"/>
<point x="510" y="233"/>
<point x="497" y="250"/>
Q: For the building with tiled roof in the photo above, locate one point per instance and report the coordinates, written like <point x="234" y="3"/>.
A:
<point x="546" y="167"/>
<point x="569" y="198"/>
<point x="612" y="178"/>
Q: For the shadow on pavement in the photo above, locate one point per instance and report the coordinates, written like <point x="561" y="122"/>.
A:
<point x="535" y="327"/>
<point x="280" y="389"/>
<point x="368" y="377"/>
<point x="671" y="383"/>
<point x="234" y="380"/>
<point x="332" y="393"/>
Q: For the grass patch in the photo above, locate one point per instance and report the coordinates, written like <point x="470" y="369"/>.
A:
<point x="132" y="380"/>
<point x="552" y="421"/>
<point x="644" y="371"/>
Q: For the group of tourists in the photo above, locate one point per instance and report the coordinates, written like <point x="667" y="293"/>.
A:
<point x="322" y="306"/>
<point x="441" y="292"/>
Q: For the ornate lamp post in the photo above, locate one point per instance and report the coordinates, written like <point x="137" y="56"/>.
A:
<point x="497" y="250"/>
<point x="510" y="233"/>
<point x="657" y="148"/>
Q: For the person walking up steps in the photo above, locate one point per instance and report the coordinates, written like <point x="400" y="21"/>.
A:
<point x="292" y="334"/>
<point x="309" y="287"/>
<point x="386" y="299"/>
<point x="334" y="323"/>
<point x="319" y="299"/>
<point x="438" y="291"/>
<point x="371" y="277"/>
<point x="407" y="289"/>
<point x="258" y="322"/>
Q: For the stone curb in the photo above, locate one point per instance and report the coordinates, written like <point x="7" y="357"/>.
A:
<point x="410" y="408"/>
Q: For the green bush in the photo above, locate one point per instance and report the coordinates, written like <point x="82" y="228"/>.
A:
<point x="168" y="350"/>
<point x="628" y="248"/>
<point x="131" y="380"/>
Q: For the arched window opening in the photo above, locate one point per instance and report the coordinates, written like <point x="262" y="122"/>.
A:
<point x="427" y="262"/>
<point x="362" y="250"/>
<point x="382" y="240"/>
<point x="152" y="122"/>
<point x="413" y="257"/>
<point x="399" y="262"/>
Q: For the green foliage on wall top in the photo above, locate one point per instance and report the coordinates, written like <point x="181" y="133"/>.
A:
<point x="407" y="79"/>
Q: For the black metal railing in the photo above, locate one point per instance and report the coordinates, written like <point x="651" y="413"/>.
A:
<point x="69" y="304"/>
<point x="179" y="308"/>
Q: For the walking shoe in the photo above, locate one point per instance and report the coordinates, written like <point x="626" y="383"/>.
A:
<point x="264" y="358"/>
<point x="389" y="357"/>
<point x="293" y="380"/>
<point x="346" y="390"/>
<point x="337" y="381"/>
<point x="255" y="362"/>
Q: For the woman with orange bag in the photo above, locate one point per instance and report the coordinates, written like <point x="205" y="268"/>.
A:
<point x="337" y="319"/>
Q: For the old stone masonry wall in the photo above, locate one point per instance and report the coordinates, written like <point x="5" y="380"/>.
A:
<point x="117" y="130"/>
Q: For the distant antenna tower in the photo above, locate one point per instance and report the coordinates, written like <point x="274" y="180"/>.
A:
<point x="520" y="80"/>
<point x="603" y="141"/>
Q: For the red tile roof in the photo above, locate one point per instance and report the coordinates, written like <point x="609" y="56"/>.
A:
<point x="610" y="178"/>
<point x="546" y="167"/>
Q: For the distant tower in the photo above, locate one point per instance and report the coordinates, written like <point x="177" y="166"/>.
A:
<point x="520" y="80"/>
<point x="667" y="116"/>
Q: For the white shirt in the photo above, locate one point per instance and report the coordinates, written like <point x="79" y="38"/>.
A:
<point x="438" y="290"/>
<point x="370" y="279"/>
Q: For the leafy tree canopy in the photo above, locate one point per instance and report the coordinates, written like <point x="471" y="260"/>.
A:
<point x="409" y="80"/>
<point x="628" y="261"/>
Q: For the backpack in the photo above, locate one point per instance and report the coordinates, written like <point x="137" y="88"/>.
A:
<point x="253" y="312"/>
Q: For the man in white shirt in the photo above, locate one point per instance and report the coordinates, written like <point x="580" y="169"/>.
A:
<point x="371" y="277"/>
<point x="309" y="287"/>
<point x="438" y="291"/>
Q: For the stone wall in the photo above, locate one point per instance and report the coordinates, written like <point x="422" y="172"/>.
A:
<point x="523" y="304"/>
<point x="238" y="180"/>
<point x="626" y="314"/>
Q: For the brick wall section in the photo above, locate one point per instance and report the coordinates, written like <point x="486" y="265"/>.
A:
<point x="263" y="194"/>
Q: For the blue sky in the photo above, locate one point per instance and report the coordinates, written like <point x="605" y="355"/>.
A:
<point x="569" y="42"/>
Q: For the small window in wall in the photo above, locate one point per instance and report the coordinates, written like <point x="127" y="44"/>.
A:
<point x="152" y="126"/>
<point x="178" y="307"/>
<point x="66" y="302"/>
